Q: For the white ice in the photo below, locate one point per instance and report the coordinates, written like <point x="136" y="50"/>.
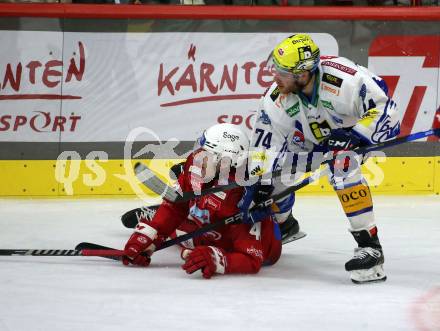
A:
<point x="308" y="289"/>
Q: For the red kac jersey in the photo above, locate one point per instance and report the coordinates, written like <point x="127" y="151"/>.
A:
<point x="246" y="246"/>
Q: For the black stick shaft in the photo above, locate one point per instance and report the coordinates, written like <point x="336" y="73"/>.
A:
<point x="40" y="252"/>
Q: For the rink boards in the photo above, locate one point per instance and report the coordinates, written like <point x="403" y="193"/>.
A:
<point x="82" y="178"/>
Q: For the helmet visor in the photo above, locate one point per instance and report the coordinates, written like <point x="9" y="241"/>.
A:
<point x="275" y="68"/>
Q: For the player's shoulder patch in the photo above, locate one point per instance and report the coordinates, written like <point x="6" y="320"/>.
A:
<point x="339" y="66"/>
<point x="331" y="79"/>
<point x="221" y="195"/>
<point x="275" y="93"/>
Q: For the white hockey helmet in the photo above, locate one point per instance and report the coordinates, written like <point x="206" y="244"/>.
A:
<point x="226" y="140"/>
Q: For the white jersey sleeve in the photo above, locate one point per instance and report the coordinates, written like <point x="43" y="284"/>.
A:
<point x="379" y="120"/>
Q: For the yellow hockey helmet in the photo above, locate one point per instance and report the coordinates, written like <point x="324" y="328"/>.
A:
<point x="296" y="54"/>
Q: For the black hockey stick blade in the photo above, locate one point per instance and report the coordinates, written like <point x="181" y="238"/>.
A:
<point x="131" y="218"/>
<point x="87" y="245"/>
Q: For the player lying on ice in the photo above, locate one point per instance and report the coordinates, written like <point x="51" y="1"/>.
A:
<point x="233" y="248"/>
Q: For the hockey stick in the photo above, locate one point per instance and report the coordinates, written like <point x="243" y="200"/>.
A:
<point x="150" y="180"/>
<point x="62" y="252"/>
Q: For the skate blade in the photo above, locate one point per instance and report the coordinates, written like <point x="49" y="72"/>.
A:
<point x="296" y="236"/>
<point x="372" y="275"/>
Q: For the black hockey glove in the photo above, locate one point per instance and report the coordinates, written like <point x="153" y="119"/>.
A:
<point x="255" y="194"/>
<point x="340" y="139"/>
<point x="262" y="192"/>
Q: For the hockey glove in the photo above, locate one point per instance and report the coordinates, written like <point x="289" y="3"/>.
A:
<point x="209" y="259"/>
<point x="341" y="139"/>
<point x="139" y="242"/>
<point x="252" y="195"/>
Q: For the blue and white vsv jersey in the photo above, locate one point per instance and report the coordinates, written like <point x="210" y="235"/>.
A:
<point x="346" y="95"/>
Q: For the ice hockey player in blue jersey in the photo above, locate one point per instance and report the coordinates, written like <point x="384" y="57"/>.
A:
<point x="326" y="103"/>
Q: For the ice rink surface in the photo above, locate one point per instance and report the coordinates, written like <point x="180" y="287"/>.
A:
<point x="308" y="289"/>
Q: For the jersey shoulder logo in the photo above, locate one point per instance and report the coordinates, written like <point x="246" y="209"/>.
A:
<point x="327" y="104"/>
<point x="339" y="67"/>
<point x="329" y="89"/>
<point x="275" y="93"/>
<point x="264" y="118"/>
<point x="333" y="80"/>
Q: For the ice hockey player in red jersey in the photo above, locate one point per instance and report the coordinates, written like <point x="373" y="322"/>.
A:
<point x="233" y="248"/>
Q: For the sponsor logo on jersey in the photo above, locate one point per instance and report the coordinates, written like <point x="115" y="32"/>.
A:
<point x="339" y="67"/>
<point x="294" y="110"/>
<point x="330" y="89"/>
<point x="333" y="80"/>
<point x="327" y="104"/>
<point x="213" y="235"/>
<point x="256" y="171"/>
<point x="264" y="118"/>
<point x="320" y="130"/>
<point x="214" y="202"/>
<point x="201" y="215"/>
<point x="337" y="119"/>
<point x="298" y="138"/>
<point x="259" y="156"/>
<point x="363" y="92"/>
<point x="221" y="195"/>
<point x="255" y="252"/>
<point x="298" y="135"/>
<point x="369" y="117"/>
<point x="313" y="117"/>
<point x="275" y="93"/>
